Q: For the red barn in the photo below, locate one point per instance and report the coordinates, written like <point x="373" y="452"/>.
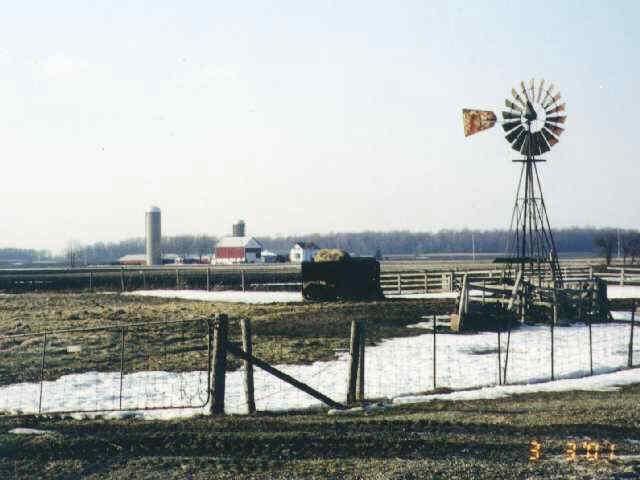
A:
<point x="237" y="250"/>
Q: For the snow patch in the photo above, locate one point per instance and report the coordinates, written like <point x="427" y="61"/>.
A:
<point x="230" y="296"/>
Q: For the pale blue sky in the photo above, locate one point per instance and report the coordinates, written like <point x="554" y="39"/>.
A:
<point x="303" y="116"/>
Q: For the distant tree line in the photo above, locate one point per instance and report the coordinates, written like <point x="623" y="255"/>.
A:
<point x="585" y="240"/>
<point x="568" y="240"/>
<point x="22" y="255"/>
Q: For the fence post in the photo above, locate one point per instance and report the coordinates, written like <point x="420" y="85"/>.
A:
<point x="354" y="351"/>
<point x="590" y="347"/>
<point x="122" y="279"/>
<point x="242" y="279"/>
<point x="144" y="280"/>
<point x="121" y="363"/>
<point x="245" y="325"/>
<point x="42" y="363"/>
<point x="219" y="366"/>
<point x="361" y="344"/>
<point x="434" y="351"/>
<point x="398" y="284"/>
<point x="633" y="321"/>
<point x="208" y="279"/>
<point x="90" y="281"/>
<point x="177" y="279"/>
<point x="499" y="358"/>
<point x="622" y="277"/>
<point x="552" y="359"/>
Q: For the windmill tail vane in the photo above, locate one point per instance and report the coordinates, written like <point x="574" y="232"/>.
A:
<point x="531" y="123"/>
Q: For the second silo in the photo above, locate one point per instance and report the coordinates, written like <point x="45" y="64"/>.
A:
<point x="154" y="236"/>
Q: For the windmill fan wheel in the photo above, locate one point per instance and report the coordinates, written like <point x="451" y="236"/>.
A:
<point x="534" y="119"/>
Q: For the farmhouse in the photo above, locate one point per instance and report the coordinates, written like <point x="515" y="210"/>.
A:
<point x="303" y="252"/>
<point x="231" y="250"/>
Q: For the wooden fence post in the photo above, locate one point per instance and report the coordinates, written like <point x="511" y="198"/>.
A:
<point x="144" y="280"/>
<point x="122" y="279"/>
<point x="398" y="284"/>
<point x="245" y="325"/>
<point x="242" y="279"/>
<point x="90" y="281"/>
<point x="361" y="344"/>
<point x="219" y="367"/>
<point x="177" y="279"/>
<point x="633" y="321"/>
<point x="426" y="282"/>
<point x="354" y="351"/>
<point x="590" y="347"/>
<point x="208" y="279"/>
<point x="622" y="277"/>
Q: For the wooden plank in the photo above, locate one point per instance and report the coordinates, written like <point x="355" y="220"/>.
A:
<point x="233" y="349"/>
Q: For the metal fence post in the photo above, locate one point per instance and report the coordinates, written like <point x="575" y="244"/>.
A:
<point x="552" y="349"/>
<point x="245" y="325"/>
<point x="354" y="351"/>
<point x="499" y="358"/>
<point x="361" y="344"/>
<point x="633" y="321"/>
<point x="434" y="351"/>
<point x="219" y="367"/>
<point x="44" y="354"/>
<point x="90" y="281"/>
<point x="121" y="363"/>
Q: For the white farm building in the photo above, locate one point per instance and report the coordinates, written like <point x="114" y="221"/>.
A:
<point x="303" y="252"/>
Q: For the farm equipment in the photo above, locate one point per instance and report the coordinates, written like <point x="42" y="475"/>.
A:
<point x="344" y="279"/>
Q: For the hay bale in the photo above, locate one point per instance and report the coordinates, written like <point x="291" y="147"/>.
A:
<point x="331" y="255"/>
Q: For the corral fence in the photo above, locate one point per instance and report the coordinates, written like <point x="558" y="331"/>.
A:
<point x="210" y="366"/>
<point x="179" y="277"/>
<point x="393" y="281"/>
<point x="430" y="281"/>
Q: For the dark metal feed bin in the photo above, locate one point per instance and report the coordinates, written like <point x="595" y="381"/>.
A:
<point x="350" y="279"/>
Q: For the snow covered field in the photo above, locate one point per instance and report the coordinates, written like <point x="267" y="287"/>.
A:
<point x="397" y="367"/>
<point x="223" y="296"/>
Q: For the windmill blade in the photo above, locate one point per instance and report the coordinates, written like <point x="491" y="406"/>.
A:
<point x="518" y="98"/>
<point x="547" y="94"/>
<point x="542" y="143"/>
<point x="477" y="120"/>
<point x="526" y="144"/>
<point x="512" y="106"/>
<point x="513" y="134"/>
<point x="557" y="131"/>
<point x="559" y="108"/>
<point x="540" y="90"/>
<point x="518" y="143"/>
<point x="549" y="137"/>
<point x="553" y="100"/>
<point x="510" y="125"/>
<point x="557" y="119"/>
<point x="524" y="91"/>
<point x="535" y="146"/>
<point x="532" y="88"/>
<point x="510" y="116"/>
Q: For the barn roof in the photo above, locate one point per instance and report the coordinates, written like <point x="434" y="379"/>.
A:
<point x="245" y="242"/>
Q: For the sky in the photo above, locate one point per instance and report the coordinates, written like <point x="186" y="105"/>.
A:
<point x="303" y="117"/>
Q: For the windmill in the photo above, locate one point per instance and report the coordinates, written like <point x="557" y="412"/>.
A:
<point x="532" y="124"/>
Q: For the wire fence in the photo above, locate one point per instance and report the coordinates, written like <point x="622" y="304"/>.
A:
<point x="141" y="366"/>
<point x="168" y="365"/>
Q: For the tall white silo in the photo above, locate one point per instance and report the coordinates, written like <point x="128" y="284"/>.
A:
<point x="154" y="236"/>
